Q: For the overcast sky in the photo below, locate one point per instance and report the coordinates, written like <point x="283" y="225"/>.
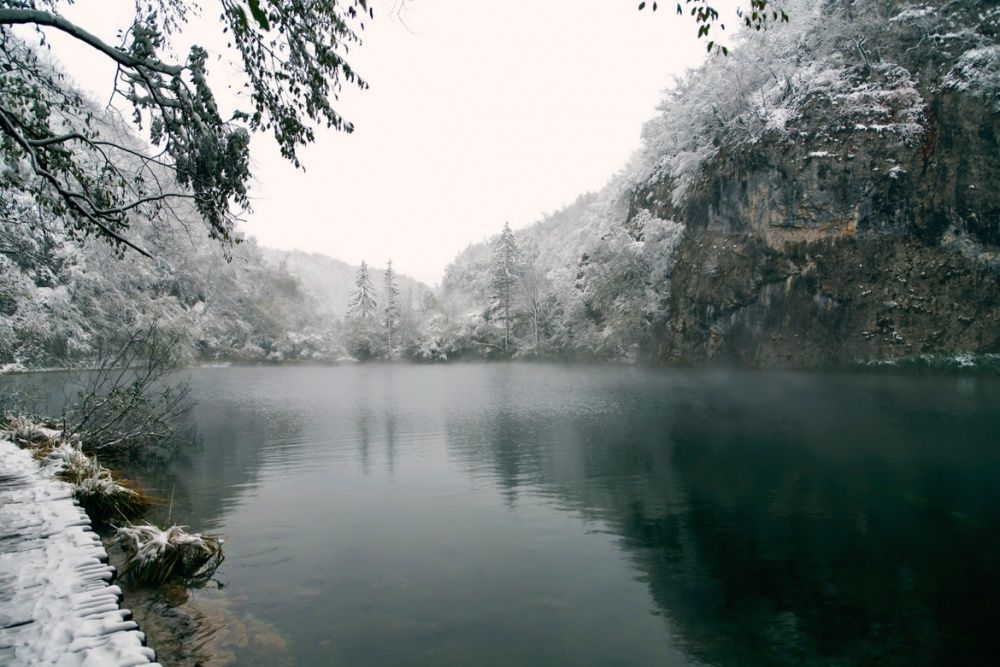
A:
<point x="479" y="113"/>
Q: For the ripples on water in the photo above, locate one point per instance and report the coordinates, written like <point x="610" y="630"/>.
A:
<point x="516" y="514"/>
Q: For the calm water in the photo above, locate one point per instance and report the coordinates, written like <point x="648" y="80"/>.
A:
<point x="537" y="515"/>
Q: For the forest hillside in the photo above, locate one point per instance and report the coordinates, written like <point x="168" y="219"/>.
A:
<point x="822" y="196"/>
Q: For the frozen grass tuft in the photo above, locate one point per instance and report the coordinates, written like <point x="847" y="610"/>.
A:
<point x="154" y="555"/>
<point x="102" y="496"/>
<point x="29" y="433"/>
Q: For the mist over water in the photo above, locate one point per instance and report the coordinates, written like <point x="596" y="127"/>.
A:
<point x="528" y="514"/>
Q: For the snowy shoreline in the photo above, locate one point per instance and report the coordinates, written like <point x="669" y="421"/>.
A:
<point x="60" y="605"/>
<point x="980" y="362"/>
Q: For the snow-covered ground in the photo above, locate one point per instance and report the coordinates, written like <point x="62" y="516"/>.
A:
<point x="57" y="605"/>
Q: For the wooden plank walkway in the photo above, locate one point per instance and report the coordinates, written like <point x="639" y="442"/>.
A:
<point x="57" y="603"/>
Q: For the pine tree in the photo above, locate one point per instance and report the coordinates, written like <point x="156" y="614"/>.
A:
<point x="363" y="305"/>
<point x="506" y="270"/>
<point x="391" y="291"/>
<point x="362" y="336"/>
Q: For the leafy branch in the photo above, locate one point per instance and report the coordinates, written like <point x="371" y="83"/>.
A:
<point x="761" y="14"/>
<point x="78" y="162"/>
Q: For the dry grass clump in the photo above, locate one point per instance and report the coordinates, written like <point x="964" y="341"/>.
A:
<point x="103" y="497"/>
<point x="30" y="434"/>
<point x="154" y="555"/>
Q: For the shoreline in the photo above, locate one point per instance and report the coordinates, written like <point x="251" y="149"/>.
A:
<point x="63" y="602"/>
<point x="958" y="363"/>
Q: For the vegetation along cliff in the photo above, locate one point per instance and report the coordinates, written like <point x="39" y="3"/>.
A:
<point x="821" y="196"/>
<point x="847" y="210"/>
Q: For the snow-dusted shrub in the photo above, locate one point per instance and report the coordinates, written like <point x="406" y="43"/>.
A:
<point x="155" y="556"/>
<point x="432" y="350"/>
<point x="128" y="402"/>
<point x="623" y="283"/>
<point x="880" y="98"/>
<point x="978" y="70"/>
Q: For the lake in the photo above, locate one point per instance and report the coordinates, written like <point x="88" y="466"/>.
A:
<point x="520" y="514"/>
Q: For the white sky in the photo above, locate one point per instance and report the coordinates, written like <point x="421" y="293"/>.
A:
<point x="479" y="113"/>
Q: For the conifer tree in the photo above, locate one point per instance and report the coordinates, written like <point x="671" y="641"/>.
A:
<point x="391" y="290"/>
<point x="362" y="317"/>
<point x="506" y="270"/>
<point x="363" y="304"/>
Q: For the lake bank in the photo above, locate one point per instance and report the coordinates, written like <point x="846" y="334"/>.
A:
<point x="59" y="602"/>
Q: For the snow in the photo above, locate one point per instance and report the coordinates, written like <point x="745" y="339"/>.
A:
<point x="89" y="477"/>
<point x="778" y="118"/>
<point x="965" y="360"/>
<point x="961" y="361"/>
<point x="912" y="13"/>
<point x="27" y="431"/>
<point x="65" y="459"/>
<point x="979" y="70"/>
<point x="59" y="605"/>
<point x="150" y="542"/>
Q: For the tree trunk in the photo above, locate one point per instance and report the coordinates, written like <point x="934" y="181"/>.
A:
<point x="506" y="317"/>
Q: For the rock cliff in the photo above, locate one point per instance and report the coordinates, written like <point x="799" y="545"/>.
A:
<point x="863" y="221"/>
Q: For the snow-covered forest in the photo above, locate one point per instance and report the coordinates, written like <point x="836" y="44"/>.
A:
<point x="830" y="116"/>
<point x="60" y="298"/>
<point x="843" y="86"/>
<point x="818" y="194"/>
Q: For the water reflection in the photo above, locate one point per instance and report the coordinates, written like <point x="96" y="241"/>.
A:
<point x="853" y="520"/>
<point x="782" y="518"/>
<point x="513" y="514"/>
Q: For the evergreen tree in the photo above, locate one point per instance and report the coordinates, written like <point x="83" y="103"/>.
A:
<point x="362" y="317"/>
<point x="392" y="314"/>
<point x="506" y="270"/>
<point x="363" y="305"/>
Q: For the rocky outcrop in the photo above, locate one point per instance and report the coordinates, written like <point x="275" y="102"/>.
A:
<point x="833" y="301"/>
<point x="867" y="227"/>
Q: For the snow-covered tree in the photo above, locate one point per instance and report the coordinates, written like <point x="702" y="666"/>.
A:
<point x="392" y="313"/>
<point x="87" y="167"/>
<point x="364" y="304"/>
<point x="506" y="271"/>
<point x="532" y="287"/>
<point x="362" y="317"/>
<point x="624" y="283"/>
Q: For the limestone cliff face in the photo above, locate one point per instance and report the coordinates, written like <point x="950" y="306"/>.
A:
<point x="868" y="227"/>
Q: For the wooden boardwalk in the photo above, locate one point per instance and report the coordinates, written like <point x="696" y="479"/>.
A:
<point x="57" y="603"/>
